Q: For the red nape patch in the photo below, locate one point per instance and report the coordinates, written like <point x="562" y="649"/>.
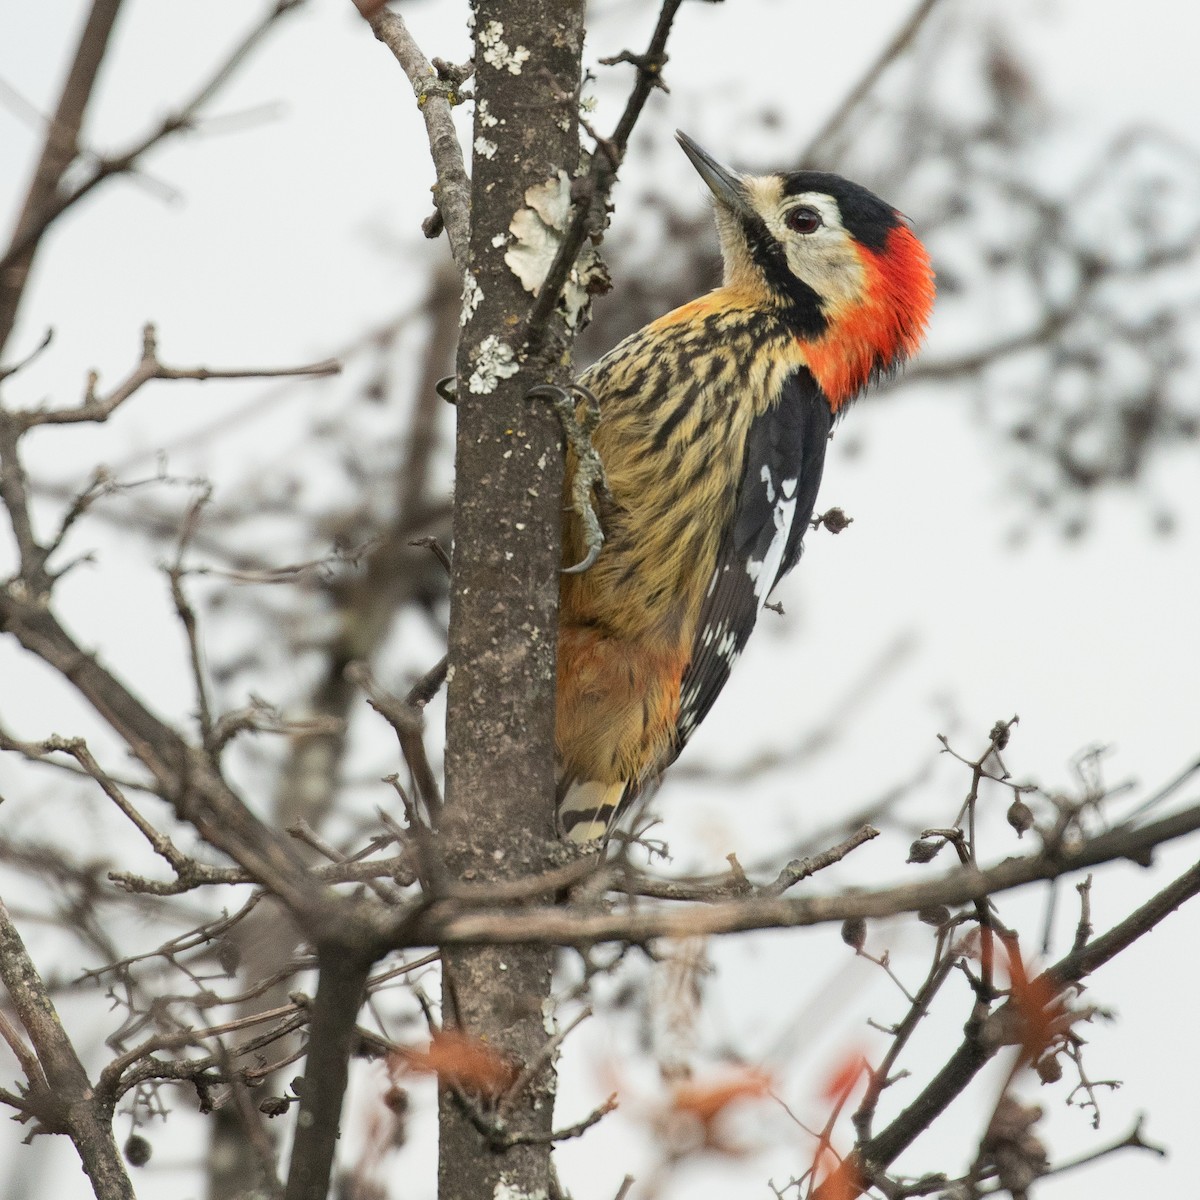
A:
<point x="907" y="280"/>
<point x="881" y="330"/>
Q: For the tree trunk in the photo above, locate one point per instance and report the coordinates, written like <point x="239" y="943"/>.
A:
<point x="499" y="818"/>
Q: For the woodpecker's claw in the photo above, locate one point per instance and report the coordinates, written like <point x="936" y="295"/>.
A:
<point x="594" y="547"/>
<point x="447" y="388"/>
<point x="589" y="470"/>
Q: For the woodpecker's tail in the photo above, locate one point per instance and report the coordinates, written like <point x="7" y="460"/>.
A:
<point x="587" y="808"/>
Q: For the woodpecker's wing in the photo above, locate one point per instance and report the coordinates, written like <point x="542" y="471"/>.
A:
<point x="785" y="454"/>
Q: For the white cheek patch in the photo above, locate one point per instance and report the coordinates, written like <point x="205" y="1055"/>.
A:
<point x="825" y="259"/>
<point x="833" y="272"/>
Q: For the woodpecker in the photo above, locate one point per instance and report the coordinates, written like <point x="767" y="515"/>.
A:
<point x="713" y="426"/>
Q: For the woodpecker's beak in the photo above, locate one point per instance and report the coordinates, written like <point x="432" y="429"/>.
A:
<point x="725" y="185"/>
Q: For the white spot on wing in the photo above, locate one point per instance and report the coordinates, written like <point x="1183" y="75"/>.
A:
<point x="765" y="476"/>
<point x="763" y="571"/>
<point x="687" y="710"/>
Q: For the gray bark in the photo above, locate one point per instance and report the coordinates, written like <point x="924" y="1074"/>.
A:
<point x="499" y="820"/>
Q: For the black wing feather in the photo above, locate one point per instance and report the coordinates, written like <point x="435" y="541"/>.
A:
<point x="785" y="455"/>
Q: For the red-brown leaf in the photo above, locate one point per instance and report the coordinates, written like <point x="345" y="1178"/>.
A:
<point x="463" y="1061"/>
<point x="841" y="1080"/>
<point x="706" y="1101"/>
<point x="1037" y="1000"/>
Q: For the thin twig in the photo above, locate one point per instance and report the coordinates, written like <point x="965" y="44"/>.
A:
<point x="1133" y="1140"/>
<point x="539" y="1060"/>
<point x="1084" y="930"/>
<point x="881" y="1077"/>
<point x="977" y="1049"/>
<point x="26" y="1057"/>
<point x="98" y="408"/>
<point x="803" y="868"/>
<point x="555" y="926"/>
<point x="408" y="721"/>
<point x="310" y="837"/>
<point x="159" y="842"/>
<point x="436" y="549"/>
<point x="187" y="617"/>
<point x="6" y="372"/>
<point x="126" y="161"/>
<point x="71" y="1107"/>
<point x="111" y="1077"/>
<point x="817" y="149"/>
<point x="734" y="883"/>
<point x="589" y="216"/>
<point x="58" y="150"/>
<point x="434" y="98"/>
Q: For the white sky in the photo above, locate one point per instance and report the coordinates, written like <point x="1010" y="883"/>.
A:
<point x="291" y="236"/>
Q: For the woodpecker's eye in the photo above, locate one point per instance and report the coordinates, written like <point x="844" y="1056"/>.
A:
<point x="803" y="220"/>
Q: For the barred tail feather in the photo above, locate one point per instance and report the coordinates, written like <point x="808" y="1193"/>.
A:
<point x="589" y="808"/>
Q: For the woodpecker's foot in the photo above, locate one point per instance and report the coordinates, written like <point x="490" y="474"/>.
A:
<point x="589" y="472"/>
<point x="447" y="388"/>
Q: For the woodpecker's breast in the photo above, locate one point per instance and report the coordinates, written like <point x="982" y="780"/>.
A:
<point x="678" y="401"/>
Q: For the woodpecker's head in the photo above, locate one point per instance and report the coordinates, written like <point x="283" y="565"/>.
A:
<point x="843" y="266"/>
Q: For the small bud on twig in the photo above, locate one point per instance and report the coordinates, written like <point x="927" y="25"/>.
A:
<point x="1049" y="1070"/>
<point x="854" y="932"/>
<point x="1020" y="816"/>
<point x="924" y="850"/>
<point x="137" y="1150"/>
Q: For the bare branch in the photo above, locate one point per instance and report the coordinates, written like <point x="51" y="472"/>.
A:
<point x="547" y="926"/>
<point x="978" y="1048"/>
<point x="734" y="882"/>
<point x="187" y="617"/>
<point x="159" y="842"/>
<point x="820" y="147"/>
<point x="54" y="203"/>
<point x="112" y="1079"/>
<point x="309" y="836"/>
<point x="802" y="868"/>
<point x="407" y="719"/>
<point x="70" y="1105"/>
<point x="530" y="1072"/>
<point x="882" y="1076"/>
<point x="1133" y="1140"/>
<point x="340" y="993"/>
<point x="435" y="98"/>
<point x="589" y="216"/>
<point x="99" y="408"/>
<point x="24" y="1056"/>
<point x="7" y="372"/>
<point x="183" y="774"/>
<point x="58" y="150"/>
